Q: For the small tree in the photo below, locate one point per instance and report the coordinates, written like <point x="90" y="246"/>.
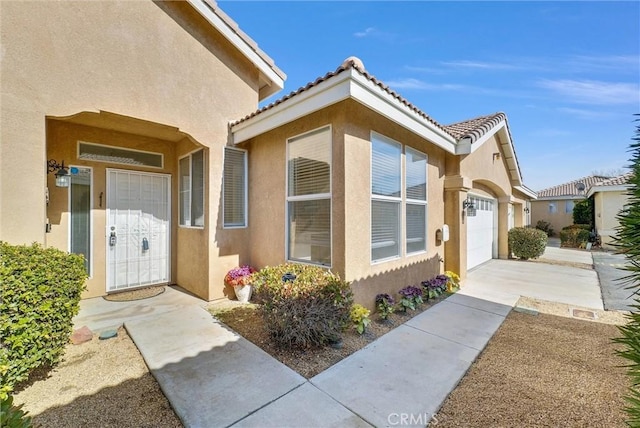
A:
<point x="628" y="242"/>
<point x="583" y="212"/>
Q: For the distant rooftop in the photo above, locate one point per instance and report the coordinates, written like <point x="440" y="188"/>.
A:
<point x="572" y="188"/>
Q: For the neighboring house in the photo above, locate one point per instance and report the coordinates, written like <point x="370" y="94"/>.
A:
<point x="174" y="181"/>
<point x="555" y="204"/>
<point x="609" y="197"/>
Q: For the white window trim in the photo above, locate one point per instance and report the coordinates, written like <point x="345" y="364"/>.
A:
<point x="91" y="219"/>
<point x="246" y="188"/>
<point x="316" y="196"/>
<point x="410" y="201"/>
<point x="385" y="198"/>
<point x="204" y="186"/>
<point x="120" y="148"/>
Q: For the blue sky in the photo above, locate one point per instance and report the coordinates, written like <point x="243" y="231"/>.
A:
<point x="567" y="74"/>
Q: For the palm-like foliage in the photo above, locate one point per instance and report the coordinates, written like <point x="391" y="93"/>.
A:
<point x="628" y="243"/>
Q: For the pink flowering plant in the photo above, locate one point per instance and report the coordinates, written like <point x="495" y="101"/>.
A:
<point x="239" y="276"/>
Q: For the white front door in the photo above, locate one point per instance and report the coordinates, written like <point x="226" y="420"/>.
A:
<point x="138" y="229"/>
<point x="481" y="231"/>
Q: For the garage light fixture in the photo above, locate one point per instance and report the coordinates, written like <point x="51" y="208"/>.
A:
<point x="468" y="204"/>
<point x="63" y="179"/>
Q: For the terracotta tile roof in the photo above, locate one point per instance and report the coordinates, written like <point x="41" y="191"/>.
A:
<point x="620" y="180"/>
<point x="350" y="63"/>
<point x="213" y="6"/>
<point x="475" y="128"/>
<point x="570" y="189"/>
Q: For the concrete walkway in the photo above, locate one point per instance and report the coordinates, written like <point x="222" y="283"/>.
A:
<point x="213" y="377"/>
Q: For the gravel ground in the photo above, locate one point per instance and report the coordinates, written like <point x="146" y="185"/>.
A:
<point x="542" y="371"/>
<point x="99" y="384"/>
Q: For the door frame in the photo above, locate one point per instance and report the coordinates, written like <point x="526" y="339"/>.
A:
<point x="107" y="230"/>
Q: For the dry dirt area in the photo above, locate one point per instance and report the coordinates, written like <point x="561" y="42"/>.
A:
<point x="247" y="322"/>
<point x="101" y="383"/>
<point x="544" y="371"/>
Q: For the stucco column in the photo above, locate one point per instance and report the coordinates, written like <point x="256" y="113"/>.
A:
<point x="455" y="249"/>
<point x="503" y="227"/>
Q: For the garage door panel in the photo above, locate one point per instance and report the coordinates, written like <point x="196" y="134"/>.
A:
<point x="480" y="232"/>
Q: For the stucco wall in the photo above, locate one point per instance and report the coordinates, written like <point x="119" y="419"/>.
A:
<point x="155" y="61"/>
<point x="558" y="220"/>
<point x="63" y="144"/>
<point x="607" y="205"/>
<point x="351" y="126"/>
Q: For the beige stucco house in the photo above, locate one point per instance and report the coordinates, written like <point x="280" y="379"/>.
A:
<point x="609" y="197"/>
<point x="146" y="112"/>
<point x="555" y="204"/>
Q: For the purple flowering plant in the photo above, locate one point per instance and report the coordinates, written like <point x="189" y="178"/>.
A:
<point x="384" y="304"/>
<point x="411" y="297"/>
<point x="435" y="286"/>
<point x="239" y="275"/>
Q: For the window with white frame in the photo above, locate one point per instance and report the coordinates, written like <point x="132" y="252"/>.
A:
<point x="386" y="197"/>
<point x="568" y="207"/>
<point x="235" y="188"/>
<point x="309" y="197"/>
<point x="191" y="182"/>
<point x="553" y="208"/>
<point x="416" y="200"/>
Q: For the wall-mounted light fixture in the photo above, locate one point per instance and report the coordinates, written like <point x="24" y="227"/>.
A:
<point x="468" y="203"/>
<point x="496" y="155"/>
<point x="526" y="210"/>
<point x="469" y="206"/>
<point x="63" y="179"/>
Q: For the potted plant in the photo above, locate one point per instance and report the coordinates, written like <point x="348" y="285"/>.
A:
<point x="240" y="279"/>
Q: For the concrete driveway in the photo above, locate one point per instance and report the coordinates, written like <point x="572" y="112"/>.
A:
<point x="615" y="295"/>
<point x="504" y="281"/>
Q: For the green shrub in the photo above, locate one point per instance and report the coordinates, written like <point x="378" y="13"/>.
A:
<point x="13" y="416"/>
<point x="544" y="226"/>
<point x="526" y="243"/>
<point x="40" y="291"/>
<point x="583" y="212"/>
<point x="586" y="227"/>
<point x="303" y="305"/>
<point x="574" y="237"/>
<point x="627" y="241"/>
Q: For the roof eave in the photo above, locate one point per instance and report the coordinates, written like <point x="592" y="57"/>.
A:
<point x="271" y="77"/>
<point x="615" y="188"/>
<point x="467" y="145"/>
<point x="349" y="84"/>
<point x="525" y="190"/>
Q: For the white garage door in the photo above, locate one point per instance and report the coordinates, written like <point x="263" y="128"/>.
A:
<point x="480" y="231"/>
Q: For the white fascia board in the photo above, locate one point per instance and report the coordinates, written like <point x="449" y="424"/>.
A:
<point x="349" y="84"/>
<point x="618" y="188"/>
<point x="526" y="191"/>
<point x="294" y="108"/>
<point x="237" y="41"/>
<point x="379" y="100"/>
<point x="562" y="198"/>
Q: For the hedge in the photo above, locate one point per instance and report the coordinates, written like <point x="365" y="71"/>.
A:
<point x="526" y="243"/>
<point x="574" y="237"/>
<point x="302" y="305"/>
<point x="40" y="291"/>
